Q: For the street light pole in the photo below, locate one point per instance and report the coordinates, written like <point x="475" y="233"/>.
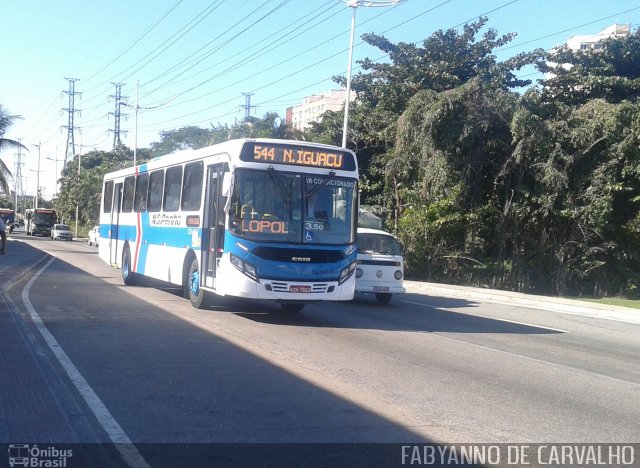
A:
<point x="56" y="161"/>
<point x="135" y="136"/>
<point x="137" y="109"/>
<point x="35" y="202"/>
<point x="354" y="4"/>
<point x="77" y="188"/>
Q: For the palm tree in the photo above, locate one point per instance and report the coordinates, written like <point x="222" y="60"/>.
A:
<point x="6" y="121"/>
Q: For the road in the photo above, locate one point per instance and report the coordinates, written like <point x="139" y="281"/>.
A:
<point x="147" y="367"/>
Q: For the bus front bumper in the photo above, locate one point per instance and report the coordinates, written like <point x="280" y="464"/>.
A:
<point x="235" y="283"/>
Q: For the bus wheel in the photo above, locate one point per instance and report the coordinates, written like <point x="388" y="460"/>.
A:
<point x="128" y="276"/>
<point x="292" y="307"/>
<point x="194" y="293"/>
<point x="383" y="298"/>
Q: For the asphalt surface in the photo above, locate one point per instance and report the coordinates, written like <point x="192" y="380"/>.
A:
<point x="38" y="405"/>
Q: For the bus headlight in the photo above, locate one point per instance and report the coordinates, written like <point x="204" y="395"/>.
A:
<point x="358" y="272"/>
<point x="346" y="273"/>
<point x="245" y="267"/>
<point x="397" y="275"/>
<point x="237" y="262"/>
<point x="250" y="271"/>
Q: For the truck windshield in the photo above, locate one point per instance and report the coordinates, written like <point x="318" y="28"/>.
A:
<point x="293" y="207"/>
<point x="378" y="244"/>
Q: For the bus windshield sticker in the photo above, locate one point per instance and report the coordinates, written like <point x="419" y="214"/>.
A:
<point x="271" y="227"/>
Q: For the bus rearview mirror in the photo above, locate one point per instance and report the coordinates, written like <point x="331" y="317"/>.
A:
<point x="226" y="184"/>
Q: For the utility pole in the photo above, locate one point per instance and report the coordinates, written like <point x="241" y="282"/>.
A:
<point x="247" y="105"/>
<point x="71" y="146"/>
<point x="36" y="201"/>
<point x="117" y="114"/>
<point x="17" y="175"/>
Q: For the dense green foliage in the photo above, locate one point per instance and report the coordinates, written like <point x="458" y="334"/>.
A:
<point x="536" y="190"/>
<point x="532" y="192"/>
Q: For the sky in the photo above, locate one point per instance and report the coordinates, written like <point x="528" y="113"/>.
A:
<point x="193" y="62"/>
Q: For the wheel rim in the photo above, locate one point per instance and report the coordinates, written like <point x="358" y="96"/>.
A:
<point x="194" y="285"/>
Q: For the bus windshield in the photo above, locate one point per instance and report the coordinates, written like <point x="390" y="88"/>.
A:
<point x="293" y="207"/>
<point x="44" y="218"/>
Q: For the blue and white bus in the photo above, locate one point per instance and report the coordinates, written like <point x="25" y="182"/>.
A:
<point x="253" y="218"/>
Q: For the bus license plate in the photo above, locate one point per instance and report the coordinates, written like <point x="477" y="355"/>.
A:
<point x="299" y="289"/>
<point x="381" y="288"/>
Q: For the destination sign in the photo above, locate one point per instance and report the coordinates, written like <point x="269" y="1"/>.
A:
<point x="298" y="155"/>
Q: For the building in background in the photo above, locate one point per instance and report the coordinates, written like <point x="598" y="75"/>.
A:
<point x="591" y="42"/>
<point x="314" y="106"/>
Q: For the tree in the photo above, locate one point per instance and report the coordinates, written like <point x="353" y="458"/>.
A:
<point x="6" y="120"/>
<point x="269" y="126"/>
<point x="446" y="60"/>
<point x="611" y="71"/>
<point x="85" y="189"/>
<point x="575" y="179"/>
<point x="440" y="177"/>
<point x="190" y="137"/>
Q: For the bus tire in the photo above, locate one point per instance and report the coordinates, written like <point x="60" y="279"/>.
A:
<point x="383" y="298"/>
<point x="128" y="276"/>
<point x="193" y="292"/>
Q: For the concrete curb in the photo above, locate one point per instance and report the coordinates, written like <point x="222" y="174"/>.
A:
<point x="556" y="304"/>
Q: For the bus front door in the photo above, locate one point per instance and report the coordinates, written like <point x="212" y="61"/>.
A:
<point x="115" y="225"/>
<point x="213" y="226"/>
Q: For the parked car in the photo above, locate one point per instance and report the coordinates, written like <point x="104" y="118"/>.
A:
<point x="94" y="236"/>
<point x="380" y="267"/>
<point x="61" y="231"/>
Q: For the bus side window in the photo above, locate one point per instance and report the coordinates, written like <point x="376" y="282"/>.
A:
<point x="140" y="199"/>
<point x="172" y="185"/>
<point x="127" y="196"/>
<point x="192" y="186"/>
<point x="108" y="197"/>
<point x="156" y="188"/>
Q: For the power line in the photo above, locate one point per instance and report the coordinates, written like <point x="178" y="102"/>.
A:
<point x="266" y="48"/>
<point x="127" y="49"/>
<point x="284" y="2"/>
<point x="204" y="15"/>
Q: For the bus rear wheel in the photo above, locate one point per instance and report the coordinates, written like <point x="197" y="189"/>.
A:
<point x="192" y="289"/>
<point x="128" y="276"/>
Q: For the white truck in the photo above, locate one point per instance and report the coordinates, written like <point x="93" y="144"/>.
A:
<point x="380" y="265"/>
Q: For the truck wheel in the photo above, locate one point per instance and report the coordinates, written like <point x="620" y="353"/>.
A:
<point x="383" y="298"/>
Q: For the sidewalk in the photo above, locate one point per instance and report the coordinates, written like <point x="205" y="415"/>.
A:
<point x="555" y="304"/>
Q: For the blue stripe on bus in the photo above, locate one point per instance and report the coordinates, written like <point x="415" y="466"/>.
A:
<point x="181" y="237"/>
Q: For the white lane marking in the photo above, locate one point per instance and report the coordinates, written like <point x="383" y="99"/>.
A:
<point x="123" y="444"/>
<point x="499" y="319"/>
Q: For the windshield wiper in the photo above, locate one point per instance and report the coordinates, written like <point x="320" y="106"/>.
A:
<point x="283" y="189"/>
<point x="325" y="181"/>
